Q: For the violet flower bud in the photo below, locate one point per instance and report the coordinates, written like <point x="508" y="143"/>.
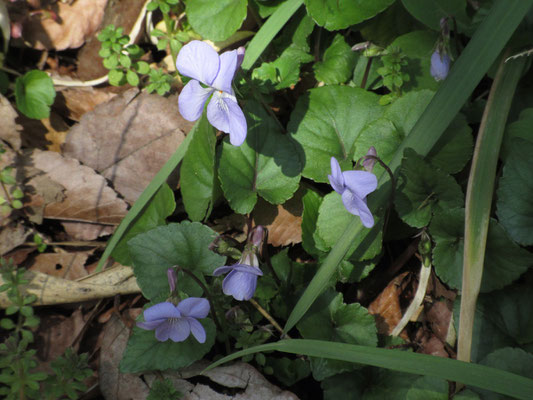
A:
<point x="440" y="65"/>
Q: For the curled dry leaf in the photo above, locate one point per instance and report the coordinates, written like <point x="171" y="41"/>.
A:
<point x="62" y="265"/>
<point x="51" y="290"/>
<point x="10" y="131"/>
<point x="75" y="22"/>
<point x="128" y="139"/>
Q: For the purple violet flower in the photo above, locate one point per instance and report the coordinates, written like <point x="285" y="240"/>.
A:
<point x="177" y="322"/>
<point x="354" y="186"/>
<point x="242" y="278"/>
<point x="200" y="61"/>
<point x="440" y="65"/>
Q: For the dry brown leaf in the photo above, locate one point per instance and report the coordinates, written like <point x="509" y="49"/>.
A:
<point x="386" y="307"/>
<point x="75" y="22"/>
<point x="10" y="131"/>
<point x="430" y="344"/>
<point x="62" y="265"/>
<point x="439" y="316"/>
<point x="56" y="333"/>
<point x="78" y="101"/>
<point x="86" y="231"/>
<point x="12" y="236"/>
<point x="87" y="197"/>
<point x="128" y="139"/>
<point x="54" y="136"/>
<point x="284" y="221"/>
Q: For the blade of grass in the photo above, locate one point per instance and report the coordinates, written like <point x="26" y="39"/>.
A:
<point x="470" y="67"/>
<point x="268" y="31"/>
<point x="146" y="196"/>
<point x="458" y="371"/>
<point x="479" y="194"/>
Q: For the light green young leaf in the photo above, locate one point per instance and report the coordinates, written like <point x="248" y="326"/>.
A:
<point x="327" y="121"/>
<point x="340" y="14"/>
<point x="267" y="164"/>
<point x="153" y="215"/>
<point x="185" y="244"/>
<point x="337" y="64"/>
<point x="504" y="260"/>
<point x="197" y="173"/>
<point x="145" y="353"/>
<point x="423" y="190"/>
<point x="35" y="93"/>
<point x="217" y="20"/>
<point x="515" y="192"/>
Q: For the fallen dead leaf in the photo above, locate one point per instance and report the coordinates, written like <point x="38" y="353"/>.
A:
<point x="54" y="136"/>
<point x="62" y="265"/>
<point x="386" y="307"/>
<point x="75" y="22"/>
<point x="284" y="221"/>
<point x="87" y="198"/>
<point x="79" y="100"/>
<point x="12" y="236"/>
<point x="128" y="139"/>
<point x="430" y="344"/>
<point x="10" y="131"/>
<point x="439" y="316"/>
<point x="56" y="333"/>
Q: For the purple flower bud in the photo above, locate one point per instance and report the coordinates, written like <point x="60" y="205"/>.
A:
<point x="172" y="279"/>
<point x="369" y="162"/>
<point x="440" y="65"/>
<point x="257" y="236"/>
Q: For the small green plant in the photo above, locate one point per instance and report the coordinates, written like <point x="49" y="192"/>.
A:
<point x="163" y="390"/>
<point x="13" y="194"/>
<point x="17" y="359"/>
<point x="393" y="78"/>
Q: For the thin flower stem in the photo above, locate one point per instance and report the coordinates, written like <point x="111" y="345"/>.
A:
<point x="269" y="317"/>
<point x="367" y="72"/>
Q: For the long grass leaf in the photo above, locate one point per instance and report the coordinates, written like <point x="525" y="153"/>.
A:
<point x="458" y="371"/>
<point x="479" y="194"/>
<point x="470" y="67"/>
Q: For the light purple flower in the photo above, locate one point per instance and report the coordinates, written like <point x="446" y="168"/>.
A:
<point x="440" y="65"/>
<point x="200" y="61"/>
<point x="241" y="280"/>
<point x="354" y="186"/>
<point x="177" y="322"/>
<point x="369" y="162"/>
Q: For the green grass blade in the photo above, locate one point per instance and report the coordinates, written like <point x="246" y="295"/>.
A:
<point x="470" y="67"/>
<point x="146" y="196"/>
<point x="268" y="31"/>
<point x="479" y="194"/>
<point x="457" y="371"/>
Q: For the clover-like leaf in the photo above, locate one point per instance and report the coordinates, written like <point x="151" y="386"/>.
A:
<point x="505" y="261"/>
<point x="267" y="164"/>
<point x="185" y="244"/>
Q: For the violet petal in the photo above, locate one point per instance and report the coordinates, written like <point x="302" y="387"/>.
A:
<point x="192" y="99"/>
<point x="197" y="330"/>
<point x="226" y="71"/>
<point x="360" y="182"/>
<point x="336" y="178"/>
<point x="195" y="307"/>
<point x="161" y="311"/>
<point x="199" y="61"/>
<point x="357" y="206"/>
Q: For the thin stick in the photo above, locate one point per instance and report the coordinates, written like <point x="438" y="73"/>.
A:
<point x="265" y="314"/>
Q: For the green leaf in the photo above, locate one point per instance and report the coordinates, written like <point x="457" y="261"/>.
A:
<point x="218" y="20"/>
<point x="185" y="244"/>
<point x="339" y="386"/>
<point x="508" y="359"/>
<point x="154" y="214"/>
<point x="124" y="60"/>
<point x="520" y="128"/>
<point x="504" y="260"/>
<point x="330" y="319"/>
<point x="115" y="77"/>
<point x="515" y="191"/>
<point x="289" y="371"/>
<point x="327" y="121"/>
<point x="430" y="388"/>
<point x="338" y="62"/>
<point x="132" y="78"/>
<point x="34" y="93"/>
<point x="267" y="164"/>
<point x="333" y="218"/>
<point x="197" y="173"/>
<point x="430" y="12"/>
<point x="413" y="363"/>
<point x="7" y="323"/>
<point x="340" y="14"/>
<point x="145" y="353"/>
<point x="417" y="47"/>
<point x="423" y="190"/>
<point x="163" y="390"/>
<point x="311" y="203"/>
<point x="142" y="67"/>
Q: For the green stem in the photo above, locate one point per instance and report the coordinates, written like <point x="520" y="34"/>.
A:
<point x="479" y="195"/>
